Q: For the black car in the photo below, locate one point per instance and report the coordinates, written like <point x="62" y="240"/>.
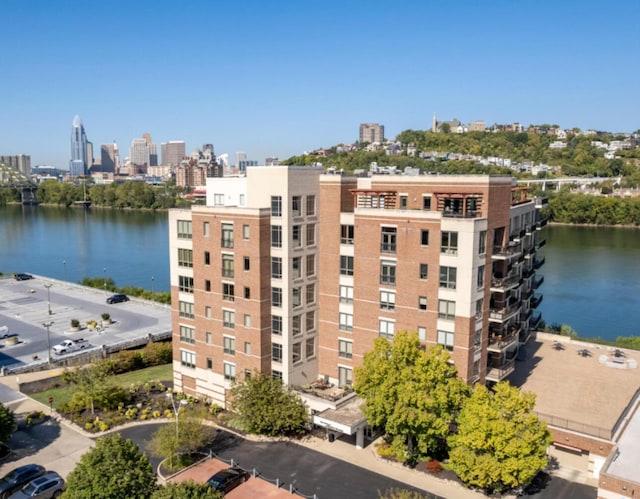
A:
<point x="117" y="298"/>
<point x="229" y="479"/>
<point x="22" y="277"/>
<point x="15" y="479"/>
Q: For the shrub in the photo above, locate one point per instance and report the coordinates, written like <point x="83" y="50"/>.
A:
<point x="75" y="323"/>
<point x="131" y="413"/>
<point x="33" y="416"/>
<point x="105" y="316"/>
<point x="434" y="466"/>
<point x="156" y="414"/>
<point x="156" y="354"/>
<point x="128" y="360"/>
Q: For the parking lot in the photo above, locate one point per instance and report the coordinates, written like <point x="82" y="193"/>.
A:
<point x="27" y="306"/>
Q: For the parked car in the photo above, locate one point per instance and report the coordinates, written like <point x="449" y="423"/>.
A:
<point x="17" y="478"/>
<point x="22" y="277"/>
<point x="47" y="486"/>
<point x="117" y="298"/>
<point x="229" y="479"/>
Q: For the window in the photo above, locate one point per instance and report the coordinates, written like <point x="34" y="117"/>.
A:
<point x="311" y="234"/>
<point x="424" y="271"/>
<point x="310" y="347"/>
<point x="422" y="303"/>
<point x="276" y="352"/>
<point x="311" y="321"/>
<point x="387" y="329"/>
<point x="346" y="234"/>
<point x="205" y="229"/>
<point x="218" y="199"/>
<point x="296" y="206"/>
<point x="346" y="322"/>
<point x="296" y="325"/>
<point x="477" y="340"/>
<point x="185" y="309"/>
<point x="241" y="199"/>
<point x="422" y="333"/>
<point x="185" y="284"/>
<point x="448" y="277"/>
<point x="446" y="309"/>
<point x="449" y="243"/>
<point x="276" y="375"/>
<point x="247" y="263"/>
<point x="296" y="295"/>
<point x="345" y="349"/>
<point x="311" y="265"/>
<point x="247" y="348"/>
<point x="187" y="334"/>
<point x="184" y="229"/>
<point x="403" y="202"/>
<point x="207" y="312"/>
<point x="426" y="203"/>
<point x="311" y="294"/>
<point x="245" y="232"/>
<point x="229" y="344"/>
<point x="207" y="258"/>
<point x="227" y="235"/>
<point x="276" y="297"/>
<point x="276" y="267"/>
<point x="387" y="300"/>
<point x="345" y="376"/>
<point x="346" y="294"/>
<point x="311" y="206"/>
<point x="276" y="324"/>
<point x="445" y="338"/>
<point x="188" y="359"/>
<point x="479" y="304"/>
<point x="209" y="363"/>
<point x="247" y="293"/>
<point x="482" y="242"/>
<point x="276" y="236"/>
<point x="481" y="276"/>
<point x="229" y="371"/>
<point x="346" y="265"/>
<point x="424" y="237"/>
<point x="296" y="267"/>
<point x="207" y="285"/>
<point x="228" y="293"/>
<point x="185" y="257"/>
<point x="388" y="240"/>
<point x="387" y="272"/>
<point x="296" y="236"/>
<point x="276" y="206"/>
<point x="229" y="318"/>
<point x="227" y="265"/>
<point x="296" y="352"/>
<point x="209" y="338"/>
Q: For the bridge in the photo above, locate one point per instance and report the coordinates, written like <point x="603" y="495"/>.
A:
<point x="14" y="179"/>
<point x="560" y="181"/>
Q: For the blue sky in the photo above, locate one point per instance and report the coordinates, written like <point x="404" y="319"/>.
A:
<point x="276" y="78"/>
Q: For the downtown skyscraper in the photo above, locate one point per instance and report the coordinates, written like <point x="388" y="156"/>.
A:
<point x="78" y="165"/>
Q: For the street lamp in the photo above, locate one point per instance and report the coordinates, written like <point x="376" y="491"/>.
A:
<point x="48" y="286"/>
<point x="64" y="265"/>
<point x="48" y="325"/>
<point x="152" y="280"/>
<point x="104" y="278"/>
<point x="176" y="411"/>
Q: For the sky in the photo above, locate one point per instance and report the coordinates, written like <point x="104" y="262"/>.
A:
<point x="277" y="78"/>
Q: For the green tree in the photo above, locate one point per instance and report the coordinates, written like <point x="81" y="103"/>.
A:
<point x="396" y="493"/>
<point x="266" y="406"/>
<point x="186" y="490"/>
<point x="414" y="395"/>
<point x="501" y="443"/>
<point x="114" y="467"/>
<point x="7" y="423"/>
<point x="94" y="385"/>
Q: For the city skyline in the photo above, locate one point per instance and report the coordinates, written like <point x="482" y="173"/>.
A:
<point x="280" y="81"/>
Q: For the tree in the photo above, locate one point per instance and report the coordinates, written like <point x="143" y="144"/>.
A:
<point x="267" y="407"/>
<point x="115" y="467"/>
<point x="7" y="423"/>
<point x="414" y="395"/>
<point x="396" y="493"/>
<point x="501" y="443"/>
<point x="186" y="435"/>
<point x="93" y="384"/>
<point x="186" y="490"/>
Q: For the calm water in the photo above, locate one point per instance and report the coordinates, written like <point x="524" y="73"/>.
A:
<point x="592" y="275"/>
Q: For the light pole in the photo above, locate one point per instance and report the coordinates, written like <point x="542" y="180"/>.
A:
<point x="176" y="411"/>
<point x="152" y="280"/>
<point x="48" y="286"/>
<point x="104" y="278"/>
<point x="64" y="265"/>
<point x="48" y="325"/>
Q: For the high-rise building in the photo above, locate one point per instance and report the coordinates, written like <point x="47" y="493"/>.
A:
<point x="139" y="154"/>
<point x="371" y="132"/>
<point x="109" y="158"/>
<point x="78" y="165"/>
<point x="173" y="152"/>
<point x="19" y="162"/>
<point x="294" y="273"/>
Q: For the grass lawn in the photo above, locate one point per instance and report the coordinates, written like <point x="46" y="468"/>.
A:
<point x="63" y="394"/>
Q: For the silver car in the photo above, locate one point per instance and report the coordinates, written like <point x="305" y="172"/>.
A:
<point x="45" y="487"/>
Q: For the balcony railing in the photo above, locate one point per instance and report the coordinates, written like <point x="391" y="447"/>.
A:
<point x="538" y="282"/>
<point x="505" y="283"/>
<point x="538" y="262"/>
<point x="509" y="251"/>
<point x="448" y="212"/>
<point x="536" y="301"/>
<point x="504" y="314"/>
<point x="388" y="247"/>
<point x="535" y="321"/>
<point x="541" y="243"/>
<point x="499" y="373"/>
<point x="542" y="223"/>
<point x="499" y="342"/>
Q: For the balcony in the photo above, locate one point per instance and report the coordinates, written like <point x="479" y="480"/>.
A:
<point x="525" y="315"/>
<point x="541" y="243"/>
<point x="525" y="334"/>
<point x="538" y="262"/>
<point x="538" y="282"/>
<point x="542" y="223"/>
<point x="516" y="236"/>
<point x="536" y="301"/>
<point x="535" y="321"/>
<point x="496" y="374"/>
<point x="507" y="252"/>
<point x="499" y="343"/>
<point x="501" y="285"/>
<point x="503" y="314"/>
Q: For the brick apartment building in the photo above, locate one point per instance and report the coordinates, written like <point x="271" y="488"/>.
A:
<point x="295" y="272"/>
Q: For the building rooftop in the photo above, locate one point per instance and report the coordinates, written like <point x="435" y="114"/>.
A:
<point x="626" y="462"/>
<point x="580" y="386"/>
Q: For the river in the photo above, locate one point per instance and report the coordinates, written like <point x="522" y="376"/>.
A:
<point x="592" y="275"/>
